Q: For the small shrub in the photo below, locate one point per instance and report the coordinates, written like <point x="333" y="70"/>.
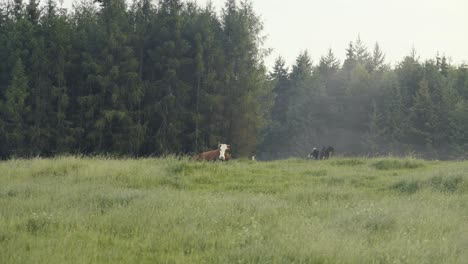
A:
<point x="8" y="194"/>
<point x="406" y="187"/>
<point x="40" y="223"/>
<point x="4" y="237"/>
<point x="446" y="184"/>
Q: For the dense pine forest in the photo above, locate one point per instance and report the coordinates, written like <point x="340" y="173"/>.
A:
<point x="173" y="77"/>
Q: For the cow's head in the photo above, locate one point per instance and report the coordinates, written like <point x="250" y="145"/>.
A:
<point x="224" y="151"/>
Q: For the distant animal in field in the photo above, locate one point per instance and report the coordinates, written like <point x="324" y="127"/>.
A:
<point x="326" y="152"/>
<point x="314" y="154"/>
<point x="223" y="153"/>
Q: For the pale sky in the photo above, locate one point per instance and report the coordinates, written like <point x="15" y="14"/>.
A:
<point x="430" y="26"/>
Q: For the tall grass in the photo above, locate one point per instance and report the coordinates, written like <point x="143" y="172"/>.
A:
<point x="105" y="210"/>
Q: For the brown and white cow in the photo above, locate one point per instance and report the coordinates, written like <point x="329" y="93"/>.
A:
<point x="223" y="153"/>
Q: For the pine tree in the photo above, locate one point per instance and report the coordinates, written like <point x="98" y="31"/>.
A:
<point x="18" y="9"/>
<point x="460" y="80"/>
<point x="458" y="132"/>
<point x="280" y="76"/>
<point x="142" y="14"/>
<point x="410" y="74"/>
<point x="55" y="26"/>
<point x="302" y="69"/>
<point x="358" y="102"/>
<point x="441" y="104"/>
<point x="210" y="113"/>
<point x="373" y="137"/>
<point x="33" y="11"/>
<point x="395" y="121"/>
<point x="37" y="67"/>
<point x="120" y="87"/>
<point x="82" y="77"/>
<point x="350" y="52"/>
<point x="329" y="65"/>
<point x="199" y="71"/>
<point x="444" y="66"/>
<point x="362" y="54"/>
<point x="245" y="76"/>
<point x="378" y="59"/>
<point x="422" y="117"/>
<point x="171" y="91"/>
<point x="272" y="143"/>
<point x="350" y="61"/>
<point x="302" y="127"/>
<point x="15" y="111"/>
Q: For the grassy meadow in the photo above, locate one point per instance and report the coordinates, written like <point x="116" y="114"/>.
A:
<point x="168" y="210"/>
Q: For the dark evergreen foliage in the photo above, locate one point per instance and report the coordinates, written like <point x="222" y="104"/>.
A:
<point x="173" y="77"/>
<point x="144" y="79"/>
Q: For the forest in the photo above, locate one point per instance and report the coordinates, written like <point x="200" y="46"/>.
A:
<point x="171" y="77"/>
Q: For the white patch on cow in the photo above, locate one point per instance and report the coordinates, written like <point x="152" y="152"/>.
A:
<point x="222" y="151"/>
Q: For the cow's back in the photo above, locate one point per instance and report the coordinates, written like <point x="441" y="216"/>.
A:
<point x="211" y="155"/>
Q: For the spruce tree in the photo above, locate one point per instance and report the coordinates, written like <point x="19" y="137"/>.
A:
<point x="302" y="129"/>
<point x="245" y="76"/>
<point x="120" y="89"/>
<point x="15" y="110"/>
<point x="422" y="118"/>
<point x="350" y="61"/>
<point x="378" y="59"/>
<point x="362" y="54"/>
<point x="272" y="144"/>
<point x="280" y="76"/>
<point x="328" y="65"/>
<point x="394" y="114"/>
<point x="458" y="132"/>
<point x="55" y="26"/>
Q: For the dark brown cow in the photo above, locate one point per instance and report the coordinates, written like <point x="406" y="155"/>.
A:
<point x="223" y="153"/>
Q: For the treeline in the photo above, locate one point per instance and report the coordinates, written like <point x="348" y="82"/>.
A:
<point x="143" y="79"/>
<point x="365" y="107"/>
<point x="173" y="77"/>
